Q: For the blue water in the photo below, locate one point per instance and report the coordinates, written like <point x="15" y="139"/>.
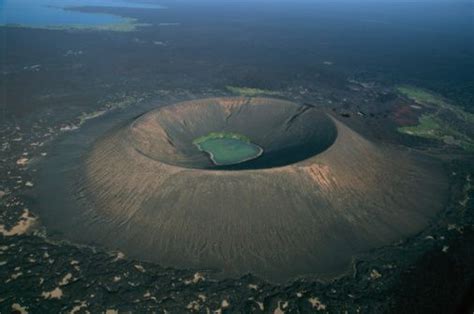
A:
<point x="51" y="13"/>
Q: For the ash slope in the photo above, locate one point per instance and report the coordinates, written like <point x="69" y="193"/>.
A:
<point x="145" y="191"/>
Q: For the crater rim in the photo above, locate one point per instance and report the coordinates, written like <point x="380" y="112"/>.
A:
<point x="320" y="125"/>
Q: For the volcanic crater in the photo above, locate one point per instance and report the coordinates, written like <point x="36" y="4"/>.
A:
<point x="318" y="195"/>
<point x="288" y="133"/>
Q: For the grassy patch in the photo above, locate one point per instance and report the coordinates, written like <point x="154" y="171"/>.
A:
<point x="427" y="98"/>
<point x="428" y="126"/>
<point x="446" y="123"/>
<point x="220" y="135"/>
<point x="420" y="96"/>
<point x="251" y="92"/>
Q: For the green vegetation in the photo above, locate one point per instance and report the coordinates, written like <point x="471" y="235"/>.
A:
<point x="217" y="135"/>
<point x="446" y="123"/>
<point x="251" y="92"/>
<point x="420" y="96"/>
<point x="228" y="148"/>
<point x="428" y="126"/>
<point x="427" y="98"/>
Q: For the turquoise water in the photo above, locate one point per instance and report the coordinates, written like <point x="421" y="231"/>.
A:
<point x="54" y="13"/>
<point x="229" y="151"/>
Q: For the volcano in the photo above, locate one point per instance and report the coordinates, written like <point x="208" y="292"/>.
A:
<point x="317" y="195"/>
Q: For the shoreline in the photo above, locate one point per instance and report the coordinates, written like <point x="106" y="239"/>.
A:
<point x="211" y="156"/>
<point x="128" y="25"/>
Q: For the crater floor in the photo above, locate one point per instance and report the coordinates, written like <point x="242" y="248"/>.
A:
<point x="227" y="150"/>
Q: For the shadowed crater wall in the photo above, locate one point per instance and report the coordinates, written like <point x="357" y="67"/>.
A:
<point x="288" y="133"/>
<point x="318" y="195"/>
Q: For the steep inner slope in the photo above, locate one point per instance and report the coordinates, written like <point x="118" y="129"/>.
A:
<point x="287" y="132"/>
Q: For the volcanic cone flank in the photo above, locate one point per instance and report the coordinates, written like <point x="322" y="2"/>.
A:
<point x="319" y="194"/>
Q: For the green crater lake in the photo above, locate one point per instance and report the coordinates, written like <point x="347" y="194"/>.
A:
<point x="228" y="148"/>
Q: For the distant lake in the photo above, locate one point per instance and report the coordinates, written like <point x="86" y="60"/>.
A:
<point x="55" y="13"/>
